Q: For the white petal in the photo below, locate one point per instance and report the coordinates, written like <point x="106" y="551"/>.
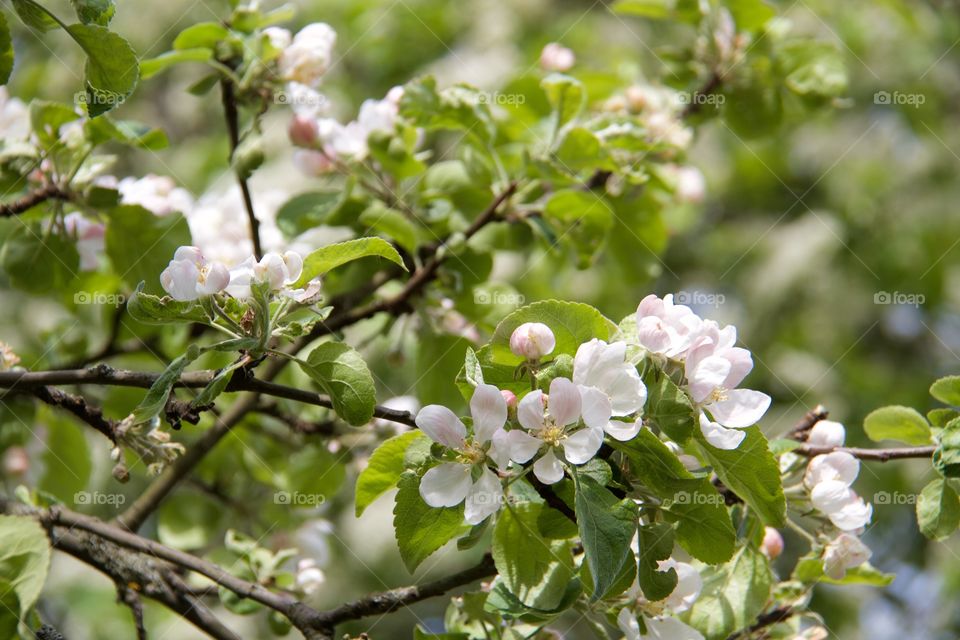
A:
<point x="837" y="465"/>
<point x="594" y="359"/>
<point x="720" y="437"/>
<point x="179" y="279"/>
<point x="522" y="446"/>
<point x="564" y="403"/>
<point x="580" y="447"/>
<point x="827" y="433"/>
<point x="623" y="431"/>
<point x="670" y="629"/>
<point x="689" y="585"/>
<point x="442" y="425"/>
<point x="548" y="469"/>
<point x="742" y="408"/>
<point x="499" y="450"/>
<point x="627" y="621"/>
<point x="595" y="407"/>
<point x="707" y="376"/>
<point x="853" y="516"/>
<point x="214" y="280"/>
<point x="489" y="411"/>
<point x="627" y="392"/>
<point x="445" y="485"/>
<point x="530" y="410"/>
<point x="484" y="499"/>
<point x="741" y="363"/>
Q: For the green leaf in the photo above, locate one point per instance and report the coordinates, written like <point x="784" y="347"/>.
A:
<point x="332" y="256"/>
<point x="66" y="459"/>
<point x="137" y="134"/>
<point x="668" y="406"/>
<point x="204" y="35"/>
<point x="654" y="9"/>
<point x="141" y="244"/>
<point x="459" y="108"/>
<point x="188" y="521"/>
<point x="656" y="543"/>
<point x="94" y="11"/>
<point x="112" y="68"/>
<point x="946" y="457"/>
<point x="216" y="386"/>
<point x="9" y="608"/>
<point x="24" y="558"/>
<point x="941" y="417"/>
<point x="938" y="510"/>
<point x="751" y="472"/>
<point x="566" y="96"/>
<point x="151" y="309"/>
<point x="535" y="570"/>
<point x="38" y="261"/>
<point x="750" y="15"/>
<point x="704" y="528"/>
<point x="583" y="218"/>
<point x="6" y="50"/>
<point x="34" y="15"/>
<point x="420" y="528"/>
<point x="607" y="527"/>
<point x="947" y="390"/>
<point x="158" y="393"/>
<point x="307" y="210"/>
<point x="897" y="423"/>
<point x="392" y="224"/>
<point x="383" y="470"/>
<point x="420" y="634"/>
<point x="809" y="569"/>
<point x="813" y="69"/>
<point x="733" y="597"/>
<point x="152" y="66"/>
<point x="572" y="323"/>
<point x="343" y="375"/>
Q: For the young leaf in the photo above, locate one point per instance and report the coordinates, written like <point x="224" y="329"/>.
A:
<point x="151" y="309"/>
<point x="656" y="543"/>
<point x="38" y="261"/>
<point x="34" y="15"/>
<point x="947" y="390"/>
<point x="535" y="570"/>
<point x="24" y="558"/>
<point x="94" y="11"/>
<point x="946" y="457"/>
<point x="566" y="96"/>
<point x="156" y="398"/>
<point x="420" y="528"/>
<point x="938" y="510"/>
<point x="751" y="472"/>
<point x="668" y="406"/>
<point x="384" y="469"/>
<point x="343" y="375"/>
<point x="332" y="256"/>
<point x="6" y="50"/>
<point x="607" y="526"/>
<point x="734" y="597"/>
<point x="112" y="68"/>
<point x="152" y="66"/>
<point x="897" y="423"/>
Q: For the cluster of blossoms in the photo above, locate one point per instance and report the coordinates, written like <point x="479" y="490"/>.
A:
<point x="712" y="367"/>
<point x="659" y="110"/>
<point x="828" y="478"/>
<point x="190" y="276"/>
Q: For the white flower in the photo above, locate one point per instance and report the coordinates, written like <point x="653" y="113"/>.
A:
<point x="308" y="56"/>
<point x="532" y="340"/>
<point x="827" y="433"/>
<point x="609" y="387"/>
<point x="190" y="276"/>
<point x="556" y="57"/>
<point x="690" y="187"/>
<point x="14" y="117"/>
<point x="553" y="423"/>
<point x="309" y="576"/>
<point x="89" y="236"/>
<point x="158" y="194"/>
<point x="666" y="328"/>
<point x="844" y="552"/>
<point x="279" y="37"/>
<point x="829" y="477"/>
<point x="664" y="627"/>
<point x="658" y="628"/>
<point x="274" y="269"/>
<point x="8" y="359"/>
<point x="450" y="483"/>
<point x="350" y="140"/>
<point x="689" y="585"/>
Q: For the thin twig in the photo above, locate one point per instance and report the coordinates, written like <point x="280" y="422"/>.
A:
<point x="229" y="99"/>
<point x="879" y="455"/>
<point x="32" y="199"/>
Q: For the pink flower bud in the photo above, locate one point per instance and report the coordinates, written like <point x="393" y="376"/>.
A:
<point x="16" y="462"/>
<point x="532" y="340"/>
<point x="510" y="398"/>
<point x="772" y="545"/>
<point x="556" y="57"/>
<point x="303" y="131"/>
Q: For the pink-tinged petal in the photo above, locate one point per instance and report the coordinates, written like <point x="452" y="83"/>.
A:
<point x="192" y="254"/>
<point x="654" y="335"/>
<point x="708" y="374"/>
<point x="214" y="278"/>
<point x="837" y="465"/>
<point x="489" y="411"/>
<point x="548" y="469"/>
<point x="741" y="408"/>
<point x="580" y="447"/>
<point x="179" y="279"/>
<point x="741" y="363"/>
<point x="719" y="436"/>
<point x="522" y="446"/>
<point x="530" y="410"/>
<point x="484" y="499"/>
<point x="623" y="431"/>
<point x="651" y="305"/>
<point x="564" y="403"/>
<point x="445" y="485"/>
<point x="595" y="407"/>
<point x="442" y="425"/>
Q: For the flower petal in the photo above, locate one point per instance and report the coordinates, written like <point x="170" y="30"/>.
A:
<point x="595" y="407"/>
<point x="627" y="621"/>
<point x="564" y="403"/>
<point x="489" y="411"/>
<point x="530" y="410"/>
<point x="580" y="447"/>
<point x="664" y="628"/>
<point x="741" y="408"/>
<point x="442" y="425"/>
<point x="719" y="436"/>
<point x="484" y="499"/>
<point x="522" y="446"/>
<point x="548" y="468"/>
<point x="445" y="485"/>
<point x="706" y="376"/>
<point x="623" y="431"/>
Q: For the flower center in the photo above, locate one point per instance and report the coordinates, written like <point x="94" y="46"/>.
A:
<point x="719" y="395"/>
<point x="472" y="453"/>
<point x="552" y="434"/>
<point x="204" y="272"/>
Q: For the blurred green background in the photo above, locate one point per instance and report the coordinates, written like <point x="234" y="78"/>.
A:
<point x="832" y="242"/>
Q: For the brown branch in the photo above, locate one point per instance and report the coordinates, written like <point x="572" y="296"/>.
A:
<point x="768" y="619"/>
<point x="79" y="407"/>
<point x="879" y="455"/>
<point x="32" y="199"/>
<point x="229" y="99"/>
<point x="807" y="422"/>
<point x="713" y="83"/>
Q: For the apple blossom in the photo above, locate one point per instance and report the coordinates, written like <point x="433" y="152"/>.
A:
<point x="666" y="328"/>
<point x="312" y="163"/>
<point x="844" y="552"/>
<point x="450" y="483"/>
<point x="309" y="576"/>
<point x="89" y="236"/>
<point x="350" y="140"/>
<point x="273" y="269"/>
<point x="609" y="387"/>
<point x="8" y="359"/>
<point x="278" y="37"/>
<point x="553" y="425"/>
<point x="158" y="194"/>
<point x="303" y="130"/>
<point x="308" y="55"/>
<point x="190" y="276"/>
<point x="556" y="57"/>
<point x="827" y="433"/>
<point x="657" y="618"/>
<point x="772" y="545"/>
<point x="510" y="398"/>
<point x="532" y="340"/>
<point x="828" y="477"/>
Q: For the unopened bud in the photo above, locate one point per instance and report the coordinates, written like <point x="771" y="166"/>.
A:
<point x="121" y="473"/>
<point x="510" y="398"/>
<point x="532" y="340"/>
<point x="16" y="462"/>
<point x="556" y="57"/>
<point x="772" y="545"/>
<point x="303" y="131"/>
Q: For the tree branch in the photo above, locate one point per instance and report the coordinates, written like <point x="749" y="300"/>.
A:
<point x="768" y="619"/>
<point x="879" y="455"/>
<point x="32" y="199"/>
<point x="79" y="407"/>
<point x="229" y="99"/>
